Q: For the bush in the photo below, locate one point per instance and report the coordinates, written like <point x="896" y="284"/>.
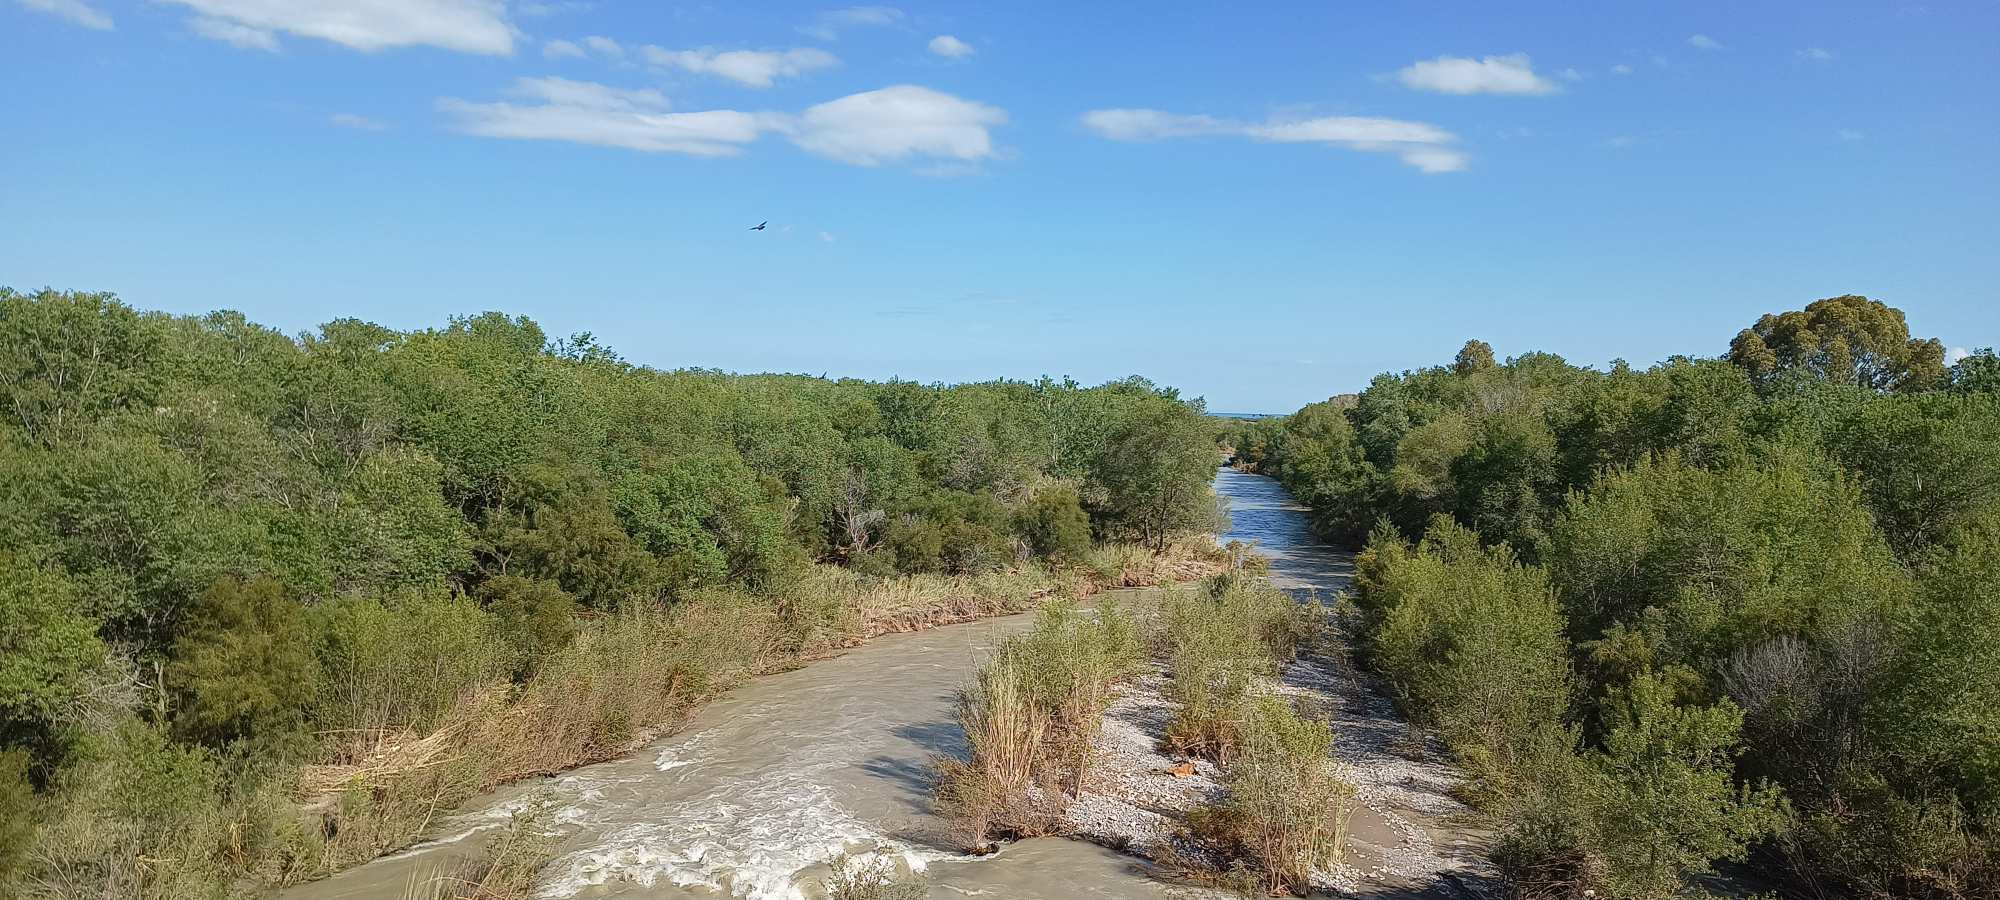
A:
<point x="1284" y="812"/>
<point x="1029" y="719"/>
<point x="138" y="816"/>
<point x="1642" y="817"/>
<point x="1054" y="524"/>
<point x="403" y="663"/>
<point x="534" y="618"/>
<point x="871" y="878"/>
<point x="1220" y="638"/>
<point x="1471" y="639"/>
<point x="244" y="669"/>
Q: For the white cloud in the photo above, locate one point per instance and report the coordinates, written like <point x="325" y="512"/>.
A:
<point x="604" y="46"/>
<point x="1571" y="75"/>
<point x="1621" y="69"/>
<point x="756" y="68"/>
<point x="470" y="26"/>
<point x="1620" y="142"/>
<point x="1704" y="42"/>
<point x="1512" y="74"/>
<point x="359" y="123"/>
<point x="1425" y="146"/>
<point x="241" y="37"/>
<point x="1153" y="125"/>
<point x="561" y="50"/>
<point x="896" y="123"/>
<point x="76" y="11"/>
<point x="588" y="113"/>
<point x="950" y="47"/>
<point x="1955" y="354"/>
<point x="1815" y="54"/>
<point x="1849" y="134"/>
<point x="829" y="25"/>
<point x="826" y="236"/>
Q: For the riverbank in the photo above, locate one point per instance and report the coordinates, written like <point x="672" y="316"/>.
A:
<point x="633" y="679"/>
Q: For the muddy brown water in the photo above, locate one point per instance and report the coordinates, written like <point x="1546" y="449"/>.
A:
<point x="771" y="780"/>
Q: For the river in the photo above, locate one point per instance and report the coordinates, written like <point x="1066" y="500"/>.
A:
<point x="789" y="769"/>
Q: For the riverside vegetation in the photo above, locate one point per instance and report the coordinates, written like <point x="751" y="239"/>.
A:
<point x="1722" y="607"/>
<point x="271" y="604"/>
<point x="1034" y="707"/>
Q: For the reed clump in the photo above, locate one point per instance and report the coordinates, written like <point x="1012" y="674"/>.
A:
<point x="1220" y="639"/>
<point x="1285" y="810"/>
<point x="1029" y="718"/>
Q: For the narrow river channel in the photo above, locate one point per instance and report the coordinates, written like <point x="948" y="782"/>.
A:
<point x="766" y="783"/>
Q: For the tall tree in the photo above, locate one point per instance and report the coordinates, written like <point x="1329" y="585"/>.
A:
<point x="1849" y="339"/>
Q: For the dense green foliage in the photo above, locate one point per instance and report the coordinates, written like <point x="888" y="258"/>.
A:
<point x="222" y="543"/>
<point x="1679" y="615"/>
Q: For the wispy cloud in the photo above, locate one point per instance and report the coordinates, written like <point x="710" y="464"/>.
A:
<point x="1571" y="75"/>
<point x="1704" y="42"/>
<point x="1511" y="74"/>
<point x="826" y="237"/>
<point x="589" y="113"/>
<point x="1427" y="147"/>
<point x="1621" y="69"/>
<point x="1849" y="134"/>
<point x="603" y="46"/>
<point x="75" y="11"/>
<point x="829" y="25"/>
<point x="1815" y="54"/>
<point x="562" y="50"/>
<point x="357" y="122"/>
<point x="468" y="26"/>
<point x="756" y="68"/>
<point x="899" y="123"/>
<point x="950" y="47"/>
<point x="1954" y="355"/>
<point x="240" y="36"/>
<point x="903" y="123"/>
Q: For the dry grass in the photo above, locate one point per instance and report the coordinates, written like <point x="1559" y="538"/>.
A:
<point x="506" y="870"/>
<point x="1029" y="719"/>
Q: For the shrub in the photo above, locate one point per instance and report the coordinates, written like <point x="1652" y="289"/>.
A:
<point x="403" y="663"/>
<point x="1640" y="818"/>
<point x="871" y="878"/>
<point x="244" y="669"/>
<point x="1029" y="719"/>
<point x="1220" y="638"/>
<point x="1471" y="639"/>
<point x="535" y="618"/>
<point x="1284" y="811"/>
<point x="1054" y="524"/>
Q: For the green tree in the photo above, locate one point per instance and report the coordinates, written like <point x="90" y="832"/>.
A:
<point x="47" y="648"/>
<point x="244" y="669"/>
<point x="1977" y="373"/>
<point x="1476" y="356"/>
<point x="1848" y="339"/>
<point x="1054" y="524"/>
<point x="1155" y="471"/>
<point x="1665" y="806"/>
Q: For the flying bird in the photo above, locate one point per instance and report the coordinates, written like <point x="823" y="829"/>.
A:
<point x="759" y="226"/>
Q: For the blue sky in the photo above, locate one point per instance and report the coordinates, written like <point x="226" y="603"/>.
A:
<point x="1261" y="206"/>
